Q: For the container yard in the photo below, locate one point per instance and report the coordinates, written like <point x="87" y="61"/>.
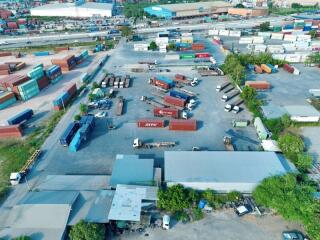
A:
<point x="40" y="82"/>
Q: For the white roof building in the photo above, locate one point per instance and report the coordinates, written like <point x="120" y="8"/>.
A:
<point x="84" y="10"/>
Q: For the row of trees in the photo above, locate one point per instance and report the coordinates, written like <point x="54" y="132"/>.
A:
<point x="292" y="196"/>
<point x="183" y="202"/>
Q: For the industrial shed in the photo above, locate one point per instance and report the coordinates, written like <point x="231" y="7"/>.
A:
<point x="75" y="10"/>
<point x="303" y="113"/>
<point x="222" y="171"/>
<point x="186" y="10"/>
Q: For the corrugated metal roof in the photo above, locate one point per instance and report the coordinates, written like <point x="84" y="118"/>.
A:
<point x="223" y="166"/>
<point x="50" y="197"/>
<point x="272" y="111"/>
<point x="302" y="110"/>
<point x="194" y="6"/>
<point x="130" y="169"/>
<point x="89" y="5"/>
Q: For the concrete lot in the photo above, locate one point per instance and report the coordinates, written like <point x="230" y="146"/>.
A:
<point x="289" y="89"/>
<point x="42" y="103"/>
<point x="221" y="225"/>
<point x="312" y="141"/>
<point x="97" y="155"/>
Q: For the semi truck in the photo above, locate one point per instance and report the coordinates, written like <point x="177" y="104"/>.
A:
<point x="16" y="177"/>
<point x="234" y="107"/>
<point x="227" y="97"/>
<point x="222" y="86"/>
<point x="227" y="141"/>
<point x="137" y="143"/>
<point x="170" y="112"/>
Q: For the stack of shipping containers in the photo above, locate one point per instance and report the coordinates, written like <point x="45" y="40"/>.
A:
<point x="62" y="100"/>
<point x="66" y="64"/>
<point x="7" y="99"/>
<point x="54" y="74"/>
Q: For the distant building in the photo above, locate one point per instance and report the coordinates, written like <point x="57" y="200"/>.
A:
<point x="74" y="10"/>
<point x="288" y="3"/>
<point x="223" y="171"/>
<point x="248" y="12"/>
<point x="187" y="10"/>
<point x="303" y="113"/>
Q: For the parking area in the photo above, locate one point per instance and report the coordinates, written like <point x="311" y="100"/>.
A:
<point x="312" y="141"/>
<point x="96" y="156"/>
<point x="42" y="103"/>
<point x="221" y="225"/>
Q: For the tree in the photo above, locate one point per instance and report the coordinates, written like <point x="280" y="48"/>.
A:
<point x="172" y="47"/>
<point x="296" y="5"/>
<point x="174" y="198"/>
<point x="77" y="117"/>
<point x="303" y="162"/>
<point x="153" y="46"/>
<point x="291" y="145"/>
<point x="83" y="108"/>
<point x="248" y="93"/>
<point x="126" y="31"/>
<point x="87" y="231"/>
<point x="313" y="33"/>
<point x="314" y="58"/>
<point x="197" y="214"/>
<point x="233" y="196"/>
<point x="22" y="238"/>
<point x="264" y="27"/>
<point x="95" y="85"/>
<point x="239" y="5"/>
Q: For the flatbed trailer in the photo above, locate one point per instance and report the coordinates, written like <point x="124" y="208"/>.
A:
<point x="120" y="104"/>
<point x="137" y="143"/>
<point x="151" y="102"/>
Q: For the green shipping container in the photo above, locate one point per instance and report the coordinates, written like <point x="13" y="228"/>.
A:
<point x="22" y="26"/>
<point x="7" y="103"/>
<point x="29" y="89"/>
<point x="187" y="56"/>
<point x="36" y="73"/>
<point x="240" y="123"/>
<point x="277" y="28"/>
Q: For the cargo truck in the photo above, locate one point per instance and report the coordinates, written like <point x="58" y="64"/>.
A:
<point x="16" y="177"/>
<point x="137" y="143"/>
<point x="234" y="107"/>
<point x="222" y="86"/>
<point x="169" y="112"/>
<point x="151" y="101"/>
<point x="69" y="133"/>
<point x="227" y="97"/>
<point x="120" y="104"/>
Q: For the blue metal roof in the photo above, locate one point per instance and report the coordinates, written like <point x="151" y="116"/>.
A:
<point x="130" y="169"/>
<point x="159" y="12"/>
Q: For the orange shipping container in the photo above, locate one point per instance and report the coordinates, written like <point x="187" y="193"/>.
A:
<point x="257" y="69"/>
<point x="265" y="68"/>
<point x="258" y="85"/>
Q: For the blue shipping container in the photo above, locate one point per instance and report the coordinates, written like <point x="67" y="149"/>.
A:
<point x="75" y="143"/>
<point x="273" y="69"/>
<point x="88" y="120"/>
<point x="69" y="133"/>
<point x="250" y="67"/>
<point x="62" y="99"/>
<point x="39" y="54"/>
<point x="85" y="131"/>
<point x="177" y="94"/>
<point x="166" y="80"/>
<point x="20" y="117"/>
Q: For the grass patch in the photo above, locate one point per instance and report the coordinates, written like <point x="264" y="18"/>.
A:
<point x="14" y="153"/>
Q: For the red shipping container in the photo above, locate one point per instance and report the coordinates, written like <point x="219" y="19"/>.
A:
<point x="258" y="85"/>
<point x="21" y="21"/>
<point x="203" y="55"/>
<point x="57" y="108"/>
<point x="5" y="54"/>
<point x="6" y="96"/>
<point x="197" y="46"/>
<point x="150" y="123"/>
<point x="13" y="80"/>
<point x="12" y="25"/>
<point x="180" y="77"/>
<point x="183" y="125"/>
<point x="4" y="67"/>
<point x="217" y="42"/>
<point x="288" y="68"/>
<point x="166" y="112"/>
<point x="72" y="89"/>
<point x="175" y="101"/>
<point x="43" y="82"/>
<point x="4" y="72"/>
<point x="10" y="131"/>
<point x="258" y="69"/>
<point x="161" y="84"/>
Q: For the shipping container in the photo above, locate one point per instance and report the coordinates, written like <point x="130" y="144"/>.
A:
<point x="183" y="125"/>
<point x="43" y="82"/>
<point x="177" y="94"/>
<point x="62" y="99"/>
<point x="40" y="54"/>
<point x="76" y="142"/>
<point x="150" y="123"/>
<point x="266" y="68"/>
<point x="90" y="120"/>
<point x="197" y="46"/>
<point x="179" y="77"/>
<point x="20" y="117"/>
<point x="187" y="56"/>
<point x="166" y="112"/>
<point x="29" y="89"/>
<point x="57" y="79"/>
<point x="59" y="49"/>
<point x="174" y="101"/>
<point x="202" y="55"/>
<point x="258" y="85"/>
<point x="257" y="69"/>
<point x="36" y="73"/>
<point x="5" y="54"/>
<point x="72" y="89"/>
<point x="288" y="68"/>
<point x="6" y="101"/>
<point x="69" y="133"/>
<point x="13" y="131"/>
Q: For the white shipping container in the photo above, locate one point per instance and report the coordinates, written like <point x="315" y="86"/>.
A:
<point x="258" y="40"/>
<point x="278" y="36"/>
<point x="162" y="50"/>
<point x="172" y="57"/>
<point x="140" y="45"/>
<point x="187" y="39"/>
<point x="297" y="32"/>
<point x="260" y="48"/>
<point x="224" y="32"/>
<point x="186" y="34"/>
<point x="264" y="34"/>
<point x="290" y="38"/>
<point x="296" y="71"/>
<point x="245" y="40"/>
<point x="304" y="38"/>
<point x="289" y="47"/>
<point x="235" y="33"/>
<point x="293" y="58"/>
<point x="162" y="40"/>
<point x="213" y="32"/>
<point x="279" y="56"/>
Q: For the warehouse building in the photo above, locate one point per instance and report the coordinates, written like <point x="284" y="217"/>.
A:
<point x="223" y="171"/>
<point x="288" y="3"/>
<point x="303" y="113"/>
<point x="248" y="12"/>
<point x="188" y="10"/>
<point x="74" y="10"/>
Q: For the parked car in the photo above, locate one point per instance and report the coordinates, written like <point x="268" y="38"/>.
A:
<point x="101" y="114"/>
<point x="293" y="235"/>
<point x="243" y="210"/>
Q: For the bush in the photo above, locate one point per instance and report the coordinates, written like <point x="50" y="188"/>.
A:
<point x="87" y="231"/>
<point x="77" y="117"/>
<point x="234" y="196"/>
<point x="197" y="214"/>
<point x="22" y="238"/>
<point x="264" y="27"/>
<point x="182" y="216"/>
<point x="83" y="108"/>
<point x="153" y="46"/>
<point x="303" y="162"/>
<point x="291" y="145"/>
